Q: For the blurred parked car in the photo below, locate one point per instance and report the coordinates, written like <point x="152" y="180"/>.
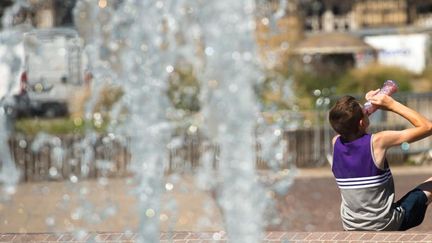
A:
<point x="17" y="103"/>
<point x="13" y="96"/>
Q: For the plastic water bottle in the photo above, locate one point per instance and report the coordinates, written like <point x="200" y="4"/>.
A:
<point x="389" y="88"/>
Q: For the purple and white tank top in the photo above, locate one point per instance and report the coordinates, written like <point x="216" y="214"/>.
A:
<point x="367" y="191"/>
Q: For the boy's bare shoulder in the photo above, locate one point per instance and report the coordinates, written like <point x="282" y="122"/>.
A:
<point x="334" y="139"/>
<point x="378" y="136"/>
<point x="386" y="139"/>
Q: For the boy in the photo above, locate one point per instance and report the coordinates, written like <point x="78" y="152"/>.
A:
<point x="362" y="171"/>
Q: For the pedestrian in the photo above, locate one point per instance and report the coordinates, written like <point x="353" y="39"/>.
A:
<point x="362" y="171"/>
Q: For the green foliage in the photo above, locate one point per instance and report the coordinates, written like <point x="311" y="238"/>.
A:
<point x="108" y="96"/>
<point x="310" y="80"/>
<point x="372" y="77"/>
<point x="273" y="93"/>
<point x="56" y="126"/>
<point x="427" y="74"/>
<point x="184" y="88"/>
<point x="307" y="81"/>
<point x="346" y="81"/>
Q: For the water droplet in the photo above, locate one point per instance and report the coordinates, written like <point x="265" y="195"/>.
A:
<point x="209" y="51"/>
<point x="66" y="197"/>
<point x="9" y="189"/>
<point x="247" y="56"/>
<point x="217" y="236"/>
<point x="53" y="172"/>
<point x="78" y="121"/>
<point x="405" y="146"/>
<point x="38" y="87"/>
<point x="279" y="156"/>
<point x="50" y="221"/>
<point x="73" y="162"/>
<point x="236" y="55"/>
<point x="150" y="213"/>
<point x="97" y="116"/>
<point x="85" y="169"/>
<point x="62" y="52"/>
<point x="22" y="143"/>
<point x="111" y="210"/>
<point x="128" y="233"/>
<point x="76" y="214"/>
<point x="103" y="181"/>
<point x="213" y="83"/>
<point x="163" y="217"/>
<point x="169" y="186"/>
<point x="169" y="69"/>
<point x="106" y="140"/>
<point x="84" y="191"/>
<point x="113" y="46"/>
<point x="192" y="129"/>
<point x="102" y="3"/>
<point x="233" y="88"/>
<point x="285" y="45"/>
<point x="80" y="234"/>
<point x="73" y="178"/>
<point x="159" y="4"/>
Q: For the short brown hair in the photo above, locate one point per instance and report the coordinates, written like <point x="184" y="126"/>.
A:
<point x="345" y="116"/>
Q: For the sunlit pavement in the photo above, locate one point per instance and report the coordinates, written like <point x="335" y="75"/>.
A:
<point x="220" y="237"/>
<point x="309" y="212"/>
<point x="104" y="206"/>
<point x="313" y="201"/>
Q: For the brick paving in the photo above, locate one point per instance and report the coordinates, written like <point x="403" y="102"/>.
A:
<point x="221" y="237"/>
<point x="309" y="213"/>
<point x="313" y="202"/>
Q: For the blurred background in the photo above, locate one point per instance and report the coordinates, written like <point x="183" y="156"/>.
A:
<point x="310" y="51"/>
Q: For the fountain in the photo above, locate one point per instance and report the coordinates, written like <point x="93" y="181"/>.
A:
<point x="137" y="46"/>
<point x="11" y="63"/>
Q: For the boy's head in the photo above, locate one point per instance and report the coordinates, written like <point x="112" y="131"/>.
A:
<point x="347" y="117"/>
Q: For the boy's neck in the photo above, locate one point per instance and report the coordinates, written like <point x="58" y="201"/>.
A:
<point x="354" y="137"/>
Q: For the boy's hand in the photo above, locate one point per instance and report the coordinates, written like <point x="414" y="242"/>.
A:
<point x="383" y="101"/>
<point x="371" y="93"/>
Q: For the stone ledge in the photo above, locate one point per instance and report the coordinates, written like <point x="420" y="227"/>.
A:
<point x="221" y="237"/>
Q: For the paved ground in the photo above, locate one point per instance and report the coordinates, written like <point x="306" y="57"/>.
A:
<point x="312" y="204"/>
<point x="313" y="201"/>
<point x="221" y="237"/>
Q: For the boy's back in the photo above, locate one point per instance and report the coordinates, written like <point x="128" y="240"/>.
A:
<point x="367" y="191"/>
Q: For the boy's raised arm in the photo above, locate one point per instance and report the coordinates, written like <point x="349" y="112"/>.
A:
<point x="422" y="126"/>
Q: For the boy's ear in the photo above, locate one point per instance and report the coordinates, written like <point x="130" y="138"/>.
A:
<point x="362" y="123"/>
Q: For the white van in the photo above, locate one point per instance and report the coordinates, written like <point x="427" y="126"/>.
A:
<point x="53" y="70"/>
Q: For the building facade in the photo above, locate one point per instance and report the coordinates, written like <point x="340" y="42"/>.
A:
<point x="355" y="15"/>
<point x="400" y="20"/>
<point x="45" y="13"/>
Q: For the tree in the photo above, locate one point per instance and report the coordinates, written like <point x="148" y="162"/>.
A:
<point x="371" y="77"/>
